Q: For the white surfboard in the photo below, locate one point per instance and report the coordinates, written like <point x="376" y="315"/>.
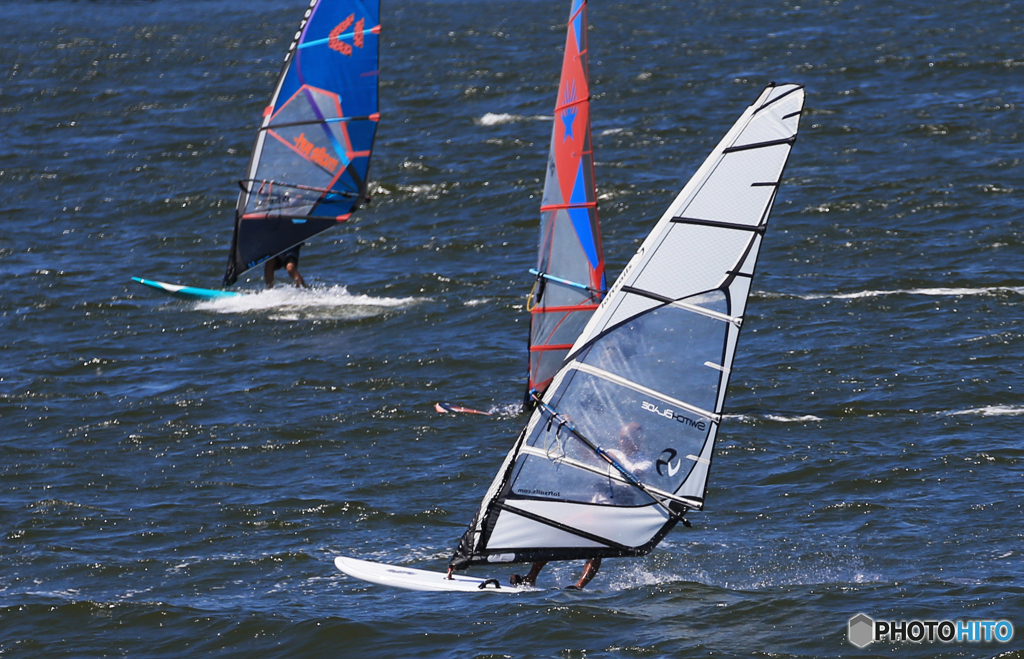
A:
<point x="415" y="579"/>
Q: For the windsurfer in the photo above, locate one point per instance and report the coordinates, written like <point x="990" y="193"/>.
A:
<point x="630" y="457"/>
<point x="290" y="262"/>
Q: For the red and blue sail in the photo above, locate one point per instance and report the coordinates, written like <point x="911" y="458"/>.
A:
<point x="311" y="159"/>
<point x="570" y="262"/>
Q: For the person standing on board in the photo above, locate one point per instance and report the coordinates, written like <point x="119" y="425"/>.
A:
<point x="290" y="262"/>
<point x="629" y="455"/>
<point x="630" y="451"/>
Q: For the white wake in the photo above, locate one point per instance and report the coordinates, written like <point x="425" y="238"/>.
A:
<point x="290" y="303"/>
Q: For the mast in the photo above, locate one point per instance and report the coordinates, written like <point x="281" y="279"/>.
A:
<point x="619" y="448"/>
<point x="570" y="262"/>
<point x="311" y="157"/>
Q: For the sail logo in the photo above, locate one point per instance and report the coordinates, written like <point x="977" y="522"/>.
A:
<point x="666" y="461"/>
<point x="621" y="281"/>
<point x="335" y="42"/>
<point x="569" y="113"/>
<point x="668" y="413"/>
<point x="317" y="154"/>
<point x="539" y="493"/>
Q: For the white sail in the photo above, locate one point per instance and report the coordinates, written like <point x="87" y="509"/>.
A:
<point x="620" y="446"/>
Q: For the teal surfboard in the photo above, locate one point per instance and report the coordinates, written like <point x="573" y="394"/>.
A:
<point x="186" y="292"/>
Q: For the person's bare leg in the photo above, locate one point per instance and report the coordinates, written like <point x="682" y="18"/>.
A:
<point x="589" y="572"/>
<point x="531" y="577"/>
<point x="293" y="270"/>
<point x="268" y="273"/>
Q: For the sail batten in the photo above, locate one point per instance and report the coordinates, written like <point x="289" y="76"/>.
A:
<point x="695" y="308"/>
<point x="617" y="471"/>
<point x="639" y="388"/>
<point x="311" y="157"/>
<point x="570" y="252"/>
<point x="759" y="228"/>
<point x="559" y="280"/>
<point x="621" y="443"/>
<point x="557" y="207"/>
<point x="609" y="472"/>
<point x="330" y="120"/>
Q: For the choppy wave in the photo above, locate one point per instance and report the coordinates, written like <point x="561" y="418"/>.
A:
<point x="991" y="410"/>
<point x="779" y="418"/>
<point x="937" y="292"/>
<point x="506" y="410"/>
<point x="496" y="119"/>
<point x="826" y="567"/>
<point x="193" y="481"/>
<point x="803" y="418"/>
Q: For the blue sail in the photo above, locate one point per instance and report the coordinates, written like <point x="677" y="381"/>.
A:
<point x="311" y="159"/>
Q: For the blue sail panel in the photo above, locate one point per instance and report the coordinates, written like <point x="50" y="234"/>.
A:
<point x="581" y="221"/>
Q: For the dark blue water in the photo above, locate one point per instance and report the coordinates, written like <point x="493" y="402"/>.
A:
<point x="176" y="478"/>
